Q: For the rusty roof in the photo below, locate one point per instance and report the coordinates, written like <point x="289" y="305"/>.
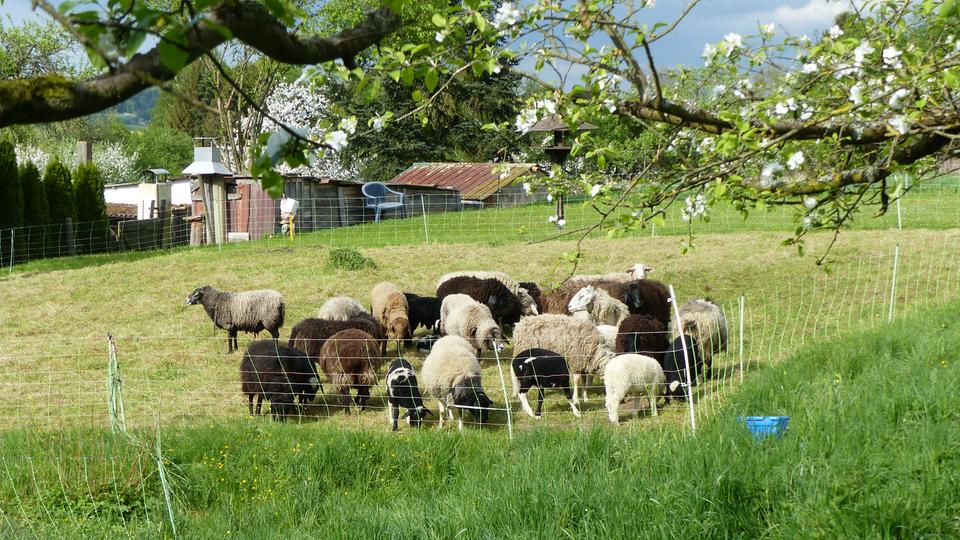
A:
<point x="476" y="181"/>
<point x="119" y="210"/>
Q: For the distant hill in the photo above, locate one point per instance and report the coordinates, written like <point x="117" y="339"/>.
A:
<point x="138" y="110"/>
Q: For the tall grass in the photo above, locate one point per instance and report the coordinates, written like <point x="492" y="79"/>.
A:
<point x="873" y="450"/>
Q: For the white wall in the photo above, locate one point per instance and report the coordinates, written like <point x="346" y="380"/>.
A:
<point x="122" y="194"/>
<point x="135" y="194"/>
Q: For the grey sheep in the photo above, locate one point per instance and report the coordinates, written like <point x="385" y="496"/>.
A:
<point x="247" y="311"/>
<point x="451" y="373"/>
<point x="704" y="321"/>
<point x="577" y="340"/>
<point x="340" y="308"/>
<point x="597" y="306"/>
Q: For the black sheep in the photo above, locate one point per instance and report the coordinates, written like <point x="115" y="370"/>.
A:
<point x="535" y="293"/>
<point x="403" y="391"/>
<point x="310" y="334"/>
<point x="675" y="366"/>
<point x="279" y="374"/>
<point x="422" y="311"/>
<point x="646" y="296"/>
<point x="643" y="334"/>
<point x="543" y="369"/>
<point x="504" y="305"/>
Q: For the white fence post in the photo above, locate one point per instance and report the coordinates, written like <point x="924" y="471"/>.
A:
<point x="686" y="359"/>
<point x="11" y="250"/>
<point x="426" y="231"/>
<point x="893" y="281"/>
<point x="506" y="396"/>
<point x="741" y="301"/>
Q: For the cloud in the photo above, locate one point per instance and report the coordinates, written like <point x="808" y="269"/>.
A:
<point x="813" y="14"/>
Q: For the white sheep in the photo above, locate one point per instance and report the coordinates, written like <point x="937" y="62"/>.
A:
<point x="609" y="333"/>
<point x="340" y="308"/>
<point x="451" y="373"/>
<point x="632" y="375"/>
<point x="637" y="271"/>
<point x="579" y="341"/>
<point x="463" y="316"/>
<point x="526" y="300"/>
<point x="704" y="321"/>
<point x="597" y="306"/>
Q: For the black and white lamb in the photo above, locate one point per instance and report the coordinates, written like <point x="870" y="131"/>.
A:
<point x="403" y="391"/>
<point x="246" y="311"/>
<point x="278" y="374"/>
<point x="504" y="305"/>
<point x="422" y="311"/>
<point x="675" y="365"/>
<point x="543" y="369"/>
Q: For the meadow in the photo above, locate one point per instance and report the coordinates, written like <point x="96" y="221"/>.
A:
<point x="813" y="346"/>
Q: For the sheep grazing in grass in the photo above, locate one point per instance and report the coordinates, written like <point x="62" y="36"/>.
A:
<point x="577" y="340"/>
<point x="632" y="375"/>
<point x="403" y="391"/>
<point x="279" y="374"/>
<point x="246" y="311"/>
<point x="543" y="369"/>
<point x="635" y="272"/>
<point x="529" y="306"/>
<point x="503" y="304"/>
<point x="389" y="306"/>
<point x="465" y="317"/>
<point x="309" y="335"/>
<point x="350" y="359"/>
<point x="642" y="334"/>
<point x="675" y="364"/>
<point x="340" y="308"/>
<point x="422" y="311"/>
<point x="597" y="306"/>
<point x="451" y="373"/>
<point x="704" y="320"/>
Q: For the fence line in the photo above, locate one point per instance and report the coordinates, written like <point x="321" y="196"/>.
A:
<point x="427" y="218"/>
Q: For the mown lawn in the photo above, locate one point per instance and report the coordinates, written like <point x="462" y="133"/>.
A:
<point x="873" y="450"/>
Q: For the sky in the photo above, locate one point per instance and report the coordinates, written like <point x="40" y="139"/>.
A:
<point x="708" y="22"/>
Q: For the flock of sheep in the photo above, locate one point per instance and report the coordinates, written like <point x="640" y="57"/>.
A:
<point x="615" y="325"/>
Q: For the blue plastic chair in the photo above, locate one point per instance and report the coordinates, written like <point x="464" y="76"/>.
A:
<point x="380" y="197"/>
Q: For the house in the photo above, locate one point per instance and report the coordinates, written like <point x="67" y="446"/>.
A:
<point x="146" y="196"/>
<point x="499" y="184"/>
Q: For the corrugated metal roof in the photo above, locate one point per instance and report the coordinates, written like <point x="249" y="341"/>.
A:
<point x="474" y="180"/>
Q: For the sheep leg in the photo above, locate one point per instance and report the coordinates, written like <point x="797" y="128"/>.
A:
<point x="275" y="333"/>
<point x="613" y="404"/>
<point x="576" y="381"/>
<point x="459" y="419"/>
<point x="526" y="405"/>
<point x="393" y="413"/>
<point x="573" y="407"/>
<point x="651" y="391"/>
<point x="231" y="336"/>
<point x="636" y="406"/>
<point x="344" y="398"/>
<point x="442" y="412"/>
<point x="259" y="402"/>
<point x="586" y="384"/>
<point x="539" y="401"/>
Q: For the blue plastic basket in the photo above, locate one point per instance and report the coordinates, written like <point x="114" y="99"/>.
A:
<point x="764" y="426"/>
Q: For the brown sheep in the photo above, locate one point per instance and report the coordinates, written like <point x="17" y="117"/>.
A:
<point x="350" y="359"/>
<point x="389" y="306"/>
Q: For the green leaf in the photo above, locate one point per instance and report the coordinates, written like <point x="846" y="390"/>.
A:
<point x="272" y="183"/>
<point x="172" y="56"/>
<point x="431" y="79"/>
<point x="394" y="5"/>
<point x="406" y="75"/>
<point x="134" y="43"/>
<point x="395" y="75"/>
<point x="439" y="20"/>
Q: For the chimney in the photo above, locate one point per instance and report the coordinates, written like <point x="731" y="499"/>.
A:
<point x="84" y="152"/>
<point x="207" y="158"/>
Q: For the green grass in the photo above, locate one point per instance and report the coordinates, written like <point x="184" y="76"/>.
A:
<point x="873" y="450"/>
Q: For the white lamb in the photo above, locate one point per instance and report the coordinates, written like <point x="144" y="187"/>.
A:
<point x="597" y="306"/>
<point x="632" y="375"/>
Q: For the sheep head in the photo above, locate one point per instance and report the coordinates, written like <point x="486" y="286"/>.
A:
<point x="400" y="328"/>
<point x="488" y="333"/>
<point x="582" y="300"/>
<point x="528" y="304"/>
<point x="416" y="415"/>
<point x="196" y="297"/>
<point x="639" y="271"/>
<point x="473" y="397"/>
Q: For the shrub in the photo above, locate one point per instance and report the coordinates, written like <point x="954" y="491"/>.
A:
<point x="88" y="190"/>
<point x="11" y="193"/>
<point x="36" y="211"/>
<point x="60" y="198"/>
<point x="348" y="259"/>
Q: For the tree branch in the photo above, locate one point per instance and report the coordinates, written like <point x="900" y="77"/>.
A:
<point x="54" y="98"/>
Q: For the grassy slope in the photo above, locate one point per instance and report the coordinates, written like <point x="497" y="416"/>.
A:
<point x="873" y="450"/>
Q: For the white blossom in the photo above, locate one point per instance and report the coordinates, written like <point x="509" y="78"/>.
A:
<point x="525" y="120"/>
<point x="507" y="15"/>
<point x="649" y="3"/>
<point x="337" y="140"/>
<point x="768" y="29"/>
<point x="706" y="145"/>
<point x="835" y="32"/>
<point x="900" y="124"/>
<point x="695" y="206"/>
<point x="769" y="173"/>
<point x="806" y="113"/>
<point x="891" y="57"/>
<point x="709" y="51"/>
<point x="898" y="99"/>
<point x="860" y="53"/>
<point x="810" y="67"/>
<point x="378" y="123"/>
<point x="784" y="107"/>
<point x="807" y="222"/>
<point x="610" y="105"/>
<point x="32" y="154"/>
<point x="349" y="125"/>
<point x="795" y="161"/>
<point x="497" y="69"/>
<point x="734" y="41"/>
<point x="439" y="37"/>
<point x="552" y="219"/>
<point x="595" y="190"/>
<point x="116" y="165"/>
<point x="719" y="89"/>
<point x="856" y="93"/>
<point x="549" y="197"/>
<point x="548" y="105"/>
<point x="526" y="188"/>
<point x="810" y="202"/>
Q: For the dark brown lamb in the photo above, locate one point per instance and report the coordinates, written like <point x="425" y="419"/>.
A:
<point x="504" y="305"/>
<point x="310" y="334"/>
<point x="350" y="359"/>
